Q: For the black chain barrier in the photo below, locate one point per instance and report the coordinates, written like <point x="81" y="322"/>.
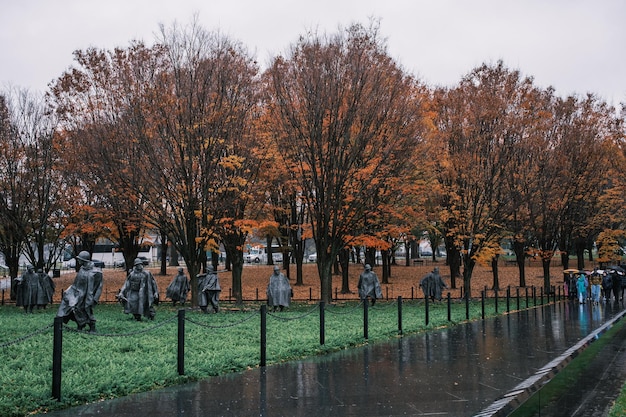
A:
<point x="383" y="306"/>
<point x="25" y="337"/>
<point x="330" y="309"/>
<point x="138" y="332"/>
<point x="223" y="326"/>
<point x="283" y="318"/>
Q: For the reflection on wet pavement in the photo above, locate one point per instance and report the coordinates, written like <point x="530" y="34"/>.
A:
<point x="460" y="371"/>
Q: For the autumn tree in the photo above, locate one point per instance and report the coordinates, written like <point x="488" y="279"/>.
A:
<point x="473" y="130"/>
<point x="46" y="206"/>
<point x="564" y="179"/>
<point x="32" y="204"/>
<point x="99" y="103"/>
<point x="347" y="118"/>
<point x="592" y="132"/>
<point x="14" y="190"/>
<point x="526" y="121"/>
<point x="284" y="207"/>
<point x="200" y="146"/>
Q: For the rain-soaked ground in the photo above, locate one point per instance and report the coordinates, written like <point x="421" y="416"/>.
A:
<point x="481" y="368"/>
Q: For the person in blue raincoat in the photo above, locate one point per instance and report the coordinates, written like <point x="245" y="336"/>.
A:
<point x="581" y="288"/>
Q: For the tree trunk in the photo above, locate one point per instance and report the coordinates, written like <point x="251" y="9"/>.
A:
<point x="324" y="267"/>
<point x="268" y="250"/>
<point x="163" y="253"/>
<point x="344" y="260"/>
<point x="298" y="253"/>
<point x="454" y="261"/>
<point x="232" y="243"/>
<point x="589" y="247"/>
<point x="520" y="259"/>
<point x="545" y="262"/>
<point x="386" y="266"/>
<point x="237" y="265"/>
<point x="407" y="258"/>
<point x="468" y="269"/>
<point x="565" y="259"/>
<point x="579" y="247"/>
<point x="370" y="256"/>
<point x="12" y="258"/>
<point x="215" y="260"/>
<point x="494" y="268"/>
<point x="173" y="256"/>
<point x="414" y="251"/>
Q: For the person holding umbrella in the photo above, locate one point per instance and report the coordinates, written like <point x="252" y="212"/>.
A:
<point x="569" y="283"/>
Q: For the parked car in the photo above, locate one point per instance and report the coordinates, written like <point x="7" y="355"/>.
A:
<point x="312" y="257"/>
<point x="255" y="255"/>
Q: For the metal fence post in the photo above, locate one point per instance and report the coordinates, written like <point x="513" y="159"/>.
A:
<point x="181" y="342"/>
<point x="322" y="323"/>
<point x="426" y="309"/>
<point x="400" y="314"/>
<point x="57" y="354"/>
<point x="365" y="318"/>
<point x="495" y="294"/>
<point x="482" y="304"/>
<point x="263" y="334"/>
<point x="526" y="288"/>
<point x="508" y="299"/>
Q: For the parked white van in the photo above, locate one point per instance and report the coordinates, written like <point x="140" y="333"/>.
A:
<point x="258" y="254"/>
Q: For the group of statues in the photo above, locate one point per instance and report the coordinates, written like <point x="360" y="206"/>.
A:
<point x="369" y="287"/>
<point x="34" y="289"/>
<point x="140" y="294"/>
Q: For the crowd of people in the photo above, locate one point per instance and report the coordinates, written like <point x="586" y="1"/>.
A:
<point x="595" y="286"/>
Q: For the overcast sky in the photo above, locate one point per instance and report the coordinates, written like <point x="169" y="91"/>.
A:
<point x="572" y="45"/>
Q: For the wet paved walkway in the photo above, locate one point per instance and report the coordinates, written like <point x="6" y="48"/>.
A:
<point x="481" y="368"/>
